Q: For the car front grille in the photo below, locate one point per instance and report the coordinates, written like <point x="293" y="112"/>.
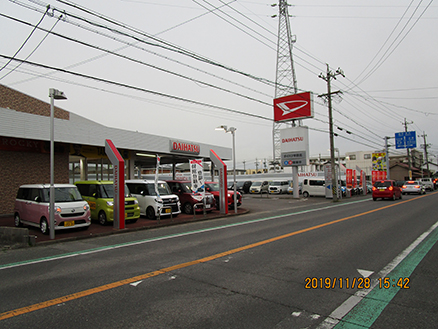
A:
<point x="72" y="215"/>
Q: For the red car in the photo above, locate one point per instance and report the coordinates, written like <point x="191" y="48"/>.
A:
<point x="188" y="199"/>
<point x="213" y="188"/>
<point x="386" y="189"/>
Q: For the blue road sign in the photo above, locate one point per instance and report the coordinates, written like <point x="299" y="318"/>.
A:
<point x="405" y="140"/>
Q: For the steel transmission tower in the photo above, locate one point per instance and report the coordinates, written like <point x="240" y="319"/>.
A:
<point x="285" y="81"/>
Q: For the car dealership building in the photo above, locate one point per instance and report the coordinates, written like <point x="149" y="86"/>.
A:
<point x="79" y="147"/>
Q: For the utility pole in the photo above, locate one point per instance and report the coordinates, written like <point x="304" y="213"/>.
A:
<point x="328" y="77"/>
<point x="388" y="176"/>
<point x="408" y="152"/>
<point x="425" y="145"/>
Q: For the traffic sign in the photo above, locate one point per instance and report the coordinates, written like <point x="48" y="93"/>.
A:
<point x="405" y="140"/>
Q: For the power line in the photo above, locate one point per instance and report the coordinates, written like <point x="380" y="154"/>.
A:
<point x="27" y="39"/>
<point x="136" y="88"/>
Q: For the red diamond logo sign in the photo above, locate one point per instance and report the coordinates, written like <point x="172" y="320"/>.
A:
<point x="292" y="107"/>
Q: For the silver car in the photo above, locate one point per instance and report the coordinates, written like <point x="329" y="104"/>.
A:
<point x="413" y="187"/>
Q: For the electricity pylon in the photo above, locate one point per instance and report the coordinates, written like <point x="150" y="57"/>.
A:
<point x="285" y="81"/>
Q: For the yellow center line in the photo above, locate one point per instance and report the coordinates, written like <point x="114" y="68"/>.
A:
<point x="77" y="295"/>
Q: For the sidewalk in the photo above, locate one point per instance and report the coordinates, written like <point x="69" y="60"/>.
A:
<point x="95" y="229"/>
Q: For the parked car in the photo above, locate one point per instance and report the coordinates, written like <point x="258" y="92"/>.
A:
<point x="428" y="183"/>
<point x="100" y="197"/>
<point x="150" y="204"/>
<point x="290" y="188"/>
<point x="413" y="187"/>
<point x="259" y="187"/>
<point x="241" y="186"/>
<point x="33" y="202"/>
<point x="386" y="189"/>
<point x="313" y="187"/>
<point x="278" y="187"/>
<point x="213" y="188"/>
<point x="188" y="199"/>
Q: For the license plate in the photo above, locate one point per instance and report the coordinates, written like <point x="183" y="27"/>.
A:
<point x="129" y="214"/>
<point x="382" y="188"/>
<point x="69" y="223"/>
<point x="167" y="210"/>
<point x="208" y="206"/>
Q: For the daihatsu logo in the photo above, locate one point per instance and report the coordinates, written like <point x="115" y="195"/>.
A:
<point x="291" y="106"/>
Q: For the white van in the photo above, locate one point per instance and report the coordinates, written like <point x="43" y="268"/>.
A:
<point x="313" y="187"/>
<point x="278" y="187"/>
<point x="150" y="205"/>
<point x="428" y="183"/>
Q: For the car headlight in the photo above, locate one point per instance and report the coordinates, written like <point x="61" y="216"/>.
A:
<point x="86" y="207"/>
<point x="135" y="201"/>
<point x="110" y="203"/>
<point x="57" y="210"/>
<point x="158" y="201"/>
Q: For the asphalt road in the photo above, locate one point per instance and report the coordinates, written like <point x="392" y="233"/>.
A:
<point x="286" y="264"/>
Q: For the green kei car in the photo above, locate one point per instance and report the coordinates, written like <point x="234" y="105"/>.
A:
<point x="100" y="197"/>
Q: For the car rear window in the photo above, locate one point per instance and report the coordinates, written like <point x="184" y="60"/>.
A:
<point x="383" y="184"/>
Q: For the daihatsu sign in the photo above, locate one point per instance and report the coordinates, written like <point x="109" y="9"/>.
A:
<point x="294" y="146"/>
<point x="292" y="107"/>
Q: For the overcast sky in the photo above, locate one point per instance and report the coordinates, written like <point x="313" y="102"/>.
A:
<point x="180" y="68"/>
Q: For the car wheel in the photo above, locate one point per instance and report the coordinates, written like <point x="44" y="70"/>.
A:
<point x="400" y="197"/>
<point x="17" y="220"/>
<point x="188" y="208"/>
<point x="150" y="213"/>
<point x="305" y="194"/>
<point x="218" y="204"/>
<point x="44" y="227"/>
<point x="393" y="197"/>
<point x="102" y="218"/>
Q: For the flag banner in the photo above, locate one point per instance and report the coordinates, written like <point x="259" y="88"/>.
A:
<point x="197" y="177"/>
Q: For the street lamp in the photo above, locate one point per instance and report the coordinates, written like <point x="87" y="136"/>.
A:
<point x="53" y="94"/>
<point x="232" y="130"/>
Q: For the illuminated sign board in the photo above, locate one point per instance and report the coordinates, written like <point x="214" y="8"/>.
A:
<point x="292" y="107"/>
<point x="184" y="147"/>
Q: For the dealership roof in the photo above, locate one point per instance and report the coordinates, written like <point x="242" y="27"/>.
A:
<point x="79" y="130"/>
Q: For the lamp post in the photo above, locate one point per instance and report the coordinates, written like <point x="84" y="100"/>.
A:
<point x="53" y="94"/>
<point x="232" y="130"/>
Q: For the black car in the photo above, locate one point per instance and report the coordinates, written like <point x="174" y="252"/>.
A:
<point x="241" y="186"/>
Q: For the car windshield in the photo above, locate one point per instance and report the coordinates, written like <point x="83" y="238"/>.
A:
<point x="256" y="184"/>
<point x="213" y="186"/>
<point x="163" y="189"/>
<point x="63" y="194"/>
<point x="187" y="187"/>
<point x="108" y="191"/>
<point x="276" y="183"/>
